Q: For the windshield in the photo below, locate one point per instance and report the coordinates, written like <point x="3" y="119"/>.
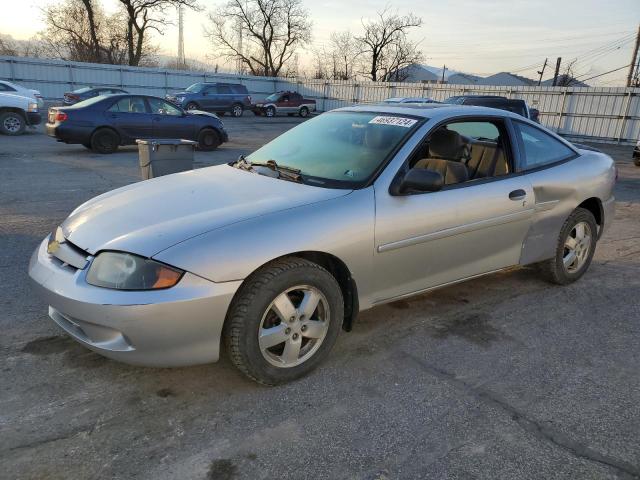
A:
<point x="195" y="88"/>
<point x="88" y="102"/>
<point x="272" y="98"/>
<point x="82" y="90"/>
<point x="339" y="149"/>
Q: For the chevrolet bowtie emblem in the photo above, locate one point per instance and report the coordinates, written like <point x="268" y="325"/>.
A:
<point x="55" y="239"/>
<point x="53" y="247"/>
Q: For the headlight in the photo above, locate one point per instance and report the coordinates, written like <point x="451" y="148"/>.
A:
<point x="33" y="107"/>
<point x="123" y="271"/>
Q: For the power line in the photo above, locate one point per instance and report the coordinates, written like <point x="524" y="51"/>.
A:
<point x="602" y="74"/>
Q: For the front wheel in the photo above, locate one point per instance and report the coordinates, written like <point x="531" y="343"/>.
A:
<point x="284" y="320"/>
<point x="270" y="112"/>
<point x="575" y="248"/>
<point x="304" y="112"/>
<point x="12" y="123"/>
<point x="208" y="139"/>
<point x="191" y="106"/>
<point x="237" y="110"/>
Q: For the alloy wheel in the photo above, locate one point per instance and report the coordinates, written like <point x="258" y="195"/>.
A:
<point x="237" y="111"/>
<point x="577" y="247"/>
<point x="294" y="326"/>
<point x="12" y="124"/>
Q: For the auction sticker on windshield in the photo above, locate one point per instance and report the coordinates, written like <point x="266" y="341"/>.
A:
<point x="396" y="121"/>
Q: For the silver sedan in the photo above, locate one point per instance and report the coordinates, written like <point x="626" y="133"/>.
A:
<point x="275" y="253"/>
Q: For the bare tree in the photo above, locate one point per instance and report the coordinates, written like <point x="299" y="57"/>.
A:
<point x="397" y="58"/>
<point x="567" y="79"/>
<point x="8" y="46"/>
<point x="143" y="17"/>
<point x="272" y="30"/>
<point x="80" y="30"/>
<point x="345" y="53"/>
<point x="385" y="44"/>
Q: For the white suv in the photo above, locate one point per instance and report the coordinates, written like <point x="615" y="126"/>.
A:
<point x="16" y="112"/>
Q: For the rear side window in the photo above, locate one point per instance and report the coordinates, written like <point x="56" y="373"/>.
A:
<point x="223" y="89"/>
<point x="539" y="148"/>
<point x="129" y="105"/>
<point x="239" y="89"/>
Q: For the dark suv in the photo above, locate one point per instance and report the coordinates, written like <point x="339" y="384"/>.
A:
<point x="216" y="97"/>
<point x="503" y="103"/>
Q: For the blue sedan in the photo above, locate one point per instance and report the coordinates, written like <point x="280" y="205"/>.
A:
<point x="105" y="122"/>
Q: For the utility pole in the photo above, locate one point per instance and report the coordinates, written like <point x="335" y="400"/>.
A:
<point x="444" y="69"/>
<point x="632" y="65"/>
<point x="181" y="59"/>
<point x="541" y="72"/>
<point x="555" y="75"/>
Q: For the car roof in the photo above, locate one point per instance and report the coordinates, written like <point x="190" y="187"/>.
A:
<point x="431" y="110"/>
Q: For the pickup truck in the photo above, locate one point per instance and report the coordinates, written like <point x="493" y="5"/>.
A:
<point x="16" y="112"/>
<point x="284" y="102"/>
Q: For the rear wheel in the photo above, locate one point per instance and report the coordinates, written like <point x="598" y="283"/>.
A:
<point x="208" y="139"/>
<point x="191" y="106"/>
<point x="12" y="123"/>
<point x="237" y="110"/>
<point x="270" y="112"/>
<point x="304" y="112"/>
<point x="575" y="248"/>
<point x="104" y="140"/>
<point x="284" y="321"/>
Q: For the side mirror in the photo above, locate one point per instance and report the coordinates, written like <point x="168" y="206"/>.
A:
<point x="420" y="180"/>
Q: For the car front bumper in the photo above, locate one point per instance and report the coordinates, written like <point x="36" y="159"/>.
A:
<point x="174" y="327"/>
<point x="34" y="118"/>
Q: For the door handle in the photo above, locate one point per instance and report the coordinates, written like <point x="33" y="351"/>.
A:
<point x="517" y="195"/>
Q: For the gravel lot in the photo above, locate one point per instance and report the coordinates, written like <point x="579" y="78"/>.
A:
<point x="500" y="377"/>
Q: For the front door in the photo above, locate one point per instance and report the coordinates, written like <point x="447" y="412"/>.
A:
<point x="474" y="225"/>
<point x="169" y="121"/>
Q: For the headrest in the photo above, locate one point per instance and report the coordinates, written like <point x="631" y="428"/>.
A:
<point x="378" y="136"/>
<point x="446" y="144"/>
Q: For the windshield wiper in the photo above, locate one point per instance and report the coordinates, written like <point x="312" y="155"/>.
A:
<point x="285" y="172"/>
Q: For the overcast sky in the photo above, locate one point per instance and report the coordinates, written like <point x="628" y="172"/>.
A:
<point x="475" y="36"/>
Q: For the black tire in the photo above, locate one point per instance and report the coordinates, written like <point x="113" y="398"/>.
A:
<point x="191" y="106"/>
<point x="251" y="303"/>
<point x="636" y="162"/>
<point x="270" y="112"/>
<point x="237" y="110"/>
<point x="104" y="140"/>
<point x="208" y="140"/>
<point x="12" y="123"/>
<point x="304" y="112"/>
<point x="554" y="269"/>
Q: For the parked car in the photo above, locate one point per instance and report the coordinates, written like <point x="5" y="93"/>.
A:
<point x="354" y="208"/>
<point x="71" y="98"/>
<point x="414" y="100"/>
<point x="17" y="112"/>
<point x="636" y="154"/>
<point x="11" y="88"/>
<point x="503" y="103"/>
<point x="105" y="122"/>
<point x="290" y="103"/>
<point x="215" y="97"/>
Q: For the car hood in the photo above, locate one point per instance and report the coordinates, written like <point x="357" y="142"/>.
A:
<point x="150" y="216"/>
<point x="201" y="113"/>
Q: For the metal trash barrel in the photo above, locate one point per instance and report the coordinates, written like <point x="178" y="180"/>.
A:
<point x="164" y="156"/>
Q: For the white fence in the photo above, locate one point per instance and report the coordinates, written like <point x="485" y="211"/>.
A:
<point x="597" y="114"/>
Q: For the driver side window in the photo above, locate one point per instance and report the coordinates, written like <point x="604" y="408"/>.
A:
<point x="160" y="107"/>
<point x="465" y="151"/>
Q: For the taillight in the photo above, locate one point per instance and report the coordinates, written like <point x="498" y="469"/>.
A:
<point x="61" y="116"/>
